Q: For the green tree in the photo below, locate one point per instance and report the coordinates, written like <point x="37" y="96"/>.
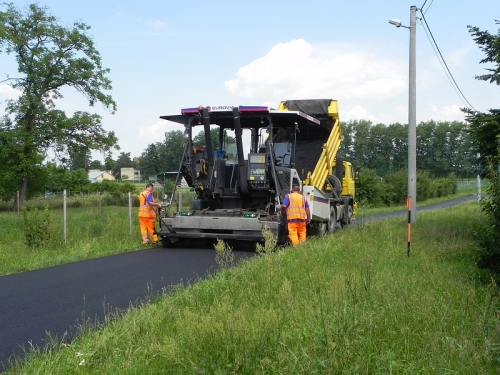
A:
<point x="50" y="57"/>
<point x="109" y="162"/>
<point x="346" y="148"/>
<point x="361" y="148"/>
<point x="96" y="164"/>
<point x="164" y="156"/>
<point x="57" y="177"/>
<point x="136" y="162"/>
<point x="485" y="133"/>
<point x="79" y="158"/>
<point x="485" y="127"/>
<point x="214" y="138"/>
<point x="123" y="161"/>
<point x="175" y="142"/>
<point x="381" y="150"/>
<point x="399" y="141"/>
<point x="153" y="159"/>
<point x="60" y="178"/>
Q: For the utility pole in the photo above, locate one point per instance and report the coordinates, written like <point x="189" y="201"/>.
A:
<point x="412" y="118"/>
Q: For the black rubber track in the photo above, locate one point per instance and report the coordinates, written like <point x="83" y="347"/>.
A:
<point x="56" y="299"/>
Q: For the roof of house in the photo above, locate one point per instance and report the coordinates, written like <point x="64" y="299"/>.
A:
<point x="94" y="175"/>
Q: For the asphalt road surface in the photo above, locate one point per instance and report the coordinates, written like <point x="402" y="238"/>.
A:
<point x="55" y="300"/>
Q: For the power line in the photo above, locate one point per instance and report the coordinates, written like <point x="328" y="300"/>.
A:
<point x="444" y="69"/>
<point x="442" y="61"/>
<point x="422" y="7"/>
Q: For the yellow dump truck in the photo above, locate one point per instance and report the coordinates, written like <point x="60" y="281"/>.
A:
<point x="240" y="178"/>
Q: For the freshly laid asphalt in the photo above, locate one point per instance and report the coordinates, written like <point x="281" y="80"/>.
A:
<point x="56" y="300"/>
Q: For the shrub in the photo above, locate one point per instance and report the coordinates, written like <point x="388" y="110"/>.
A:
<point x="425" y="187"/>
<point x="36" y="227"/>
<point x="446" y="186"/>
<point x="369" y="188"/>
<point x="488" y="234"/>
<point x="396" y="187"/>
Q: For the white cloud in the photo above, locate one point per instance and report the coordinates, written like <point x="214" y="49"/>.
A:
<point x="444" y="113"/>
<point x="7" y="92"/>
<point x="299" y="70"/>
<point x="156" y="132"/>
<point x="357" y="112"/>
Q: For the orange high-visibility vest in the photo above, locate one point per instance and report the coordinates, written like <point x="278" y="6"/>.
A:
<point x="145" y="209"/>
<point x="296" y="209"/>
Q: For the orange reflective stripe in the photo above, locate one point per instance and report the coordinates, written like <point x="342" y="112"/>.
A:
<point x="296" y="209"/>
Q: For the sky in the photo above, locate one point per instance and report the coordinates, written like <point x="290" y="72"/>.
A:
<point x="167" y="55"/>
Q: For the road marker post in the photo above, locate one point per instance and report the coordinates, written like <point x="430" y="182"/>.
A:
<point x="408" y="205"/>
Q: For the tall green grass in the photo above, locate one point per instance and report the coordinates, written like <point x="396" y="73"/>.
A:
<point x="347" y="303"/>
<point x="91" y="232"/>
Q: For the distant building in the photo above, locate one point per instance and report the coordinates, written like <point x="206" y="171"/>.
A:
<point x="95" y="175"/>
<point x="131" y="174"/>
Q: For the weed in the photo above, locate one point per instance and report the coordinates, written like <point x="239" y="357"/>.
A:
<point x="270" y="242"/>
<point x="224" y="256"/>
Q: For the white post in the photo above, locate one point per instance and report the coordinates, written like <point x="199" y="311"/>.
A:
<point x="180" y="202"/>
<point x="478" y="183"/>
<point x="64" y="216"/>
<point x="478" y="188"/>
<point x="130" y="211"/>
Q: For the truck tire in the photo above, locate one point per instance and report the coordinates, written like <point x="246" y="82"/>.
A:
<point x="348" y="217"/>
<point x="332" y="222"/>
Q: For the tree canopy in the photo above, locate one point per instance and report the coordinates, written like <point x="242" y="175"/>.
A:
<point x="124" y="161"/>
<point x="50" y="57"/>
<point x="164" y="156"/>
<point x="442" y="147"/>
<point x="485" y="127"/>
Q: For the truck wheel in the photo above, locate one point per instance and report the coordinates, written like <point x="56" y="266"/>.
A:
<point x="348" y="218"/>
<point x="332" y="222"/>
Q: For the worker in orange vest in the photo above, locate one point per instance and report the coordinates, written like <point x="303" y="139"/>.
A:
<point x="298" y="215"/>
<point x="147" y="215"/>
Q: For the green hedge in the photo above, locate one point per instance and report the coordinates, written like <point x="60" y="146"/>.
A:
<point x="374" y="191"/>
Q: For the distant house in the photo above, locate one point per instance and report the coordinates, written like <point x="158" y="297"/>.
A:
<point x="95" y="175"/>
<point x="131" y="174"/>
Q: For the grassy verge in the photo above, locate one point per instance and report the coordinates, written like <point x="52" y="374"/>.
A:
<point x="93" y="230"/>
<point x="463" y="191"/>
<point x="349" y="303"/>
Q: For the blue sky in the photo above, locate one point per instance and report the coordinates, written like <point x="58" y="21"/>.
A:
<point x="168" y="55"/>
